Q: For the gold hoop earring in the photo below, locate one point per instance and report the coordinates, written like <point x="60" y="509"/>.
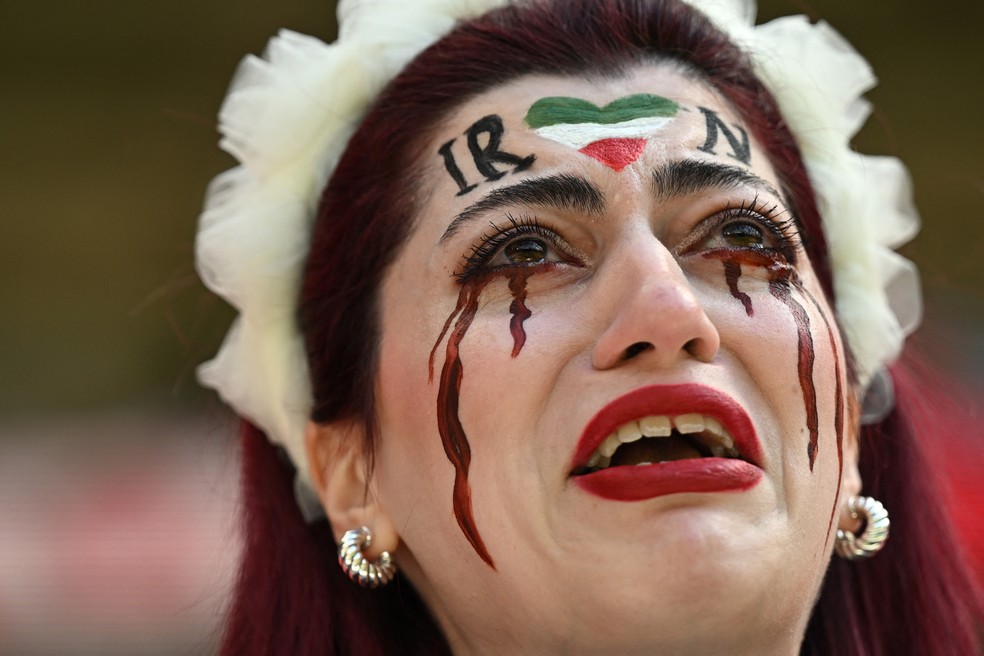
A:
<point x="368" y="574"/>
<point x="874" y="536"/>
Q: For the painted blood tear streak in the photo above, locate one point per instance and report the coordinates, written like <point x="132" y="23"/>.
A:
<point x="453" y="435"/>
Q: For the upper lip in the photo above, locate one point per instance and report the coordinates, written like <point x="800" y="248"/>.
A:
<point x="670" y="400"/>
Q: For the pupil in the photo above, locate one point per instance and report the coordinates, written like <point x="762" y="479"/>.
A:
<point x="526" y="251"/>
<point x="743" y="234"/>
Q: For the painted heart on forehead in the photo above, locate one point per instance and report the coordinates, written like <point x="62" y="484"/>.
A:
<point x="615" y="134"/>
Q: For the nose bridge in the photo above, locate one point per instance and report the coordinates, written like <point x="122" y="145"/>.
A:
<point x="656" y="270"/>
<point x="654" y="310"/>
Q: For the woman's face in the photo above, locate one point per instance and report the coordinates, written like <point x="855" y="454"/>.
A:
<point x="597" y="258"/>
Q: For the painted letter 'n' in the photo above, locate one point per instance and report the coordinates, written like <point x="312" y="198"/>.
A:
<point x="739" y="147"/>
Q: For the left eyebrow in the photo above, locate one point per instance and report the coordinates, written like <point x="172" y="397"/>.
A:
<point x="565" y="192"/>
<point x="689" y="176"/>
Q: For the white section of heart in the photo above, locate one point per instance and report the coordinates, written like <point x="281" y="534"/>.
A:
<point x="579" y="135"/>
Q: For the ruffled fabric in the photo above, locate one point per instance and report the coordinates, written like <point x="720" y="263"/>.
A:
<point x="289" y="115"/>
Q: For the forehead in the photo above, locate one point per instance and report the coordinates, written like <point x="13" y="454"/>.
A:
<point x="514" y="99"/>
<point x="611" y="129"/>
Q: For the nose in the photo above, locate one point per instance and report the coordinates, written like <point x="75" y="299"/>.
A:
<point x="654" y="311"/>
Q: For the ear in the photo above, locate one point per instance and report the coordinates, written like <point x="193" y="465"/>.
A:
<point x="339" y="469"/>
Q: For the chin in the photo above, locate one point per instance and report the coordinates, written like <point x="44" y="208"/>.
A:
<point x="701" y="577"/>
<point x="695" y="611"/>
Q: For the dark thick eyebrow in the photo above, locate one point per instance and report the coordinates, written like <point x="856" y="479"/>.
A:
<point x="689" y="176"/>
<point x="564" y="191"/>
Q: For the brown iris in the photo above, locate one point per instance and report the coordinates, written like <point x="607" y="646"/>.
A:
<point x="743" y="235"/>
<point x="526" y="251"/>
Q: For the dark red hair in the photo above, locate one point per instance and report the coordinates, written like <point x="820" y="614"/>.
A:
<point x="291" y="598"/>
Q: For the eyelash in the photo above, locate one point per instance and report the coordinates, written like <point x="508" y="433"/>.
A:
<point x="489" y="244"/>
<point x="785" y="231"/>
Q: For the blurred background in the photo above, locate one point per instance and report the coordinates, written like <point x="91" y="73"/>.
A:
<point x="117" y="472"/>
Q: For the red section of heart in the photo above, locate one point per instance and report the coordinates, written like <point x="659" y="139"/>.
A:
<point x="615" y="153"/>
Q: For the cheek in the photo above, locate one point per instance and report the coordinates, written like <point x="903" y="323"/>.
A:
<point x="404" y="398"/>
<point x="766" y="345"/>
<point x="517" y="350"/>
<point x="784" y="339"/>
<point x="401" y="378"/>
<point x="425" y="394"/>
<point x="413" y="477"/>
<point x="800" y="375"/>
<point x="411" y="315"/>
<point x="506" y="357"/>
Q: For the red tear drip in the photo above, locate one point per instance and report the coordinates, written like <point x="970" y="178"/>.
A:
<point x="615" y="153"/>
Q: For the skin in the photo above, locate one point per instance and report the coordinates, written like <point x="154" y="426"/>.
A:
<point x="708" y="573"/>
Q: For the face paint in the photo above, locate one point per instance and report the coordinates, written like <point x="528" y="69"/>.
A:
<point x="732" y="271"/>
<point x="518" y="309"/>
<point x="449" y="425"/>
<point x="453" y="436"/>
<point x="779" y="286"/>
<point x="489" y="130"/>
<point x="781" y="278"/>
<point x="838" y="399"/>
<point x="739" y="147"/>
<point x="615" y="134"/>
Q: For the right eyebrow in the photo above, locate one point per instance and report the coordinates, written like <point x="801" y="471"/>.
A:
<point x="564" y="191"/>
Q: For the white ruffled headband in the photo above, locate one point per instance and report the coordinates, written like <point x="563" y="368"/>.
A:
<point x="289" y="115"/>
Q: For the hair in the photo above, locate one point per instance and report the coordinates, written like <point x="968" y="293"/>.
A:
<point x="291" y="597"/>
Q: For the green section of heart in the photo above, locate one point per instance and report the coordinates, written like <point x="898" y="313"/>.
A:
<point x="561" y="109"/>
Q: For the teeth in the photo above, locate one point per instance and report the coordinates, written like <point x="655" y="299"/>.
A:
<point x="599" y="461"/>
<point x="712" y="425"/>
<point x="608" y="447"/>
<point x="630" y="432"/>
<point x="706" y="430"/>
<point x="688" y="424"/>
<point x="653" y="426"/>
<point x="643" y="464"/>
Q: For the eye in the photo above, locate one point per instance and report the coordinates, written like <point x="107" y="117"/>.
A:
<point x="527" y="250"/>
<point x="743" y="234"/>
<point x="520" y="242"/>
<point x="749" y="226"/>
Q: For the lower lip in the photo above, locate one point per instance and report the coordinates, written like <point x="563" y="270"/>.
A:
<point x="637" y="483"/>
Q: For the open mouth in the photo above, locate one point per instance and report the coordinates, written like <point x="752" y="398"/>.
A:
<point x="661" y="438"/>
<point x="667" y="439"/>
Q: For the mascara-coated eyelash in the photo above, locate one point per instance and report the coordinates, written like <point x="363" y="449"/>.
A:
<point x="490" y="244"/>
<point x="785" y="231"/>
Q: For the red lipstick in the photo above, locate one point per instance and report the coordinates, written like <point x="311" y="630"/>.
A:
<point x="635" y="483"/>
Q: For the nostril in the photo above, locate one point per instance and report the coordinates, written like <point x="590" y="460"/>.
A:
<point x="699" y="348"/>
<point x="636" y="349"/>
